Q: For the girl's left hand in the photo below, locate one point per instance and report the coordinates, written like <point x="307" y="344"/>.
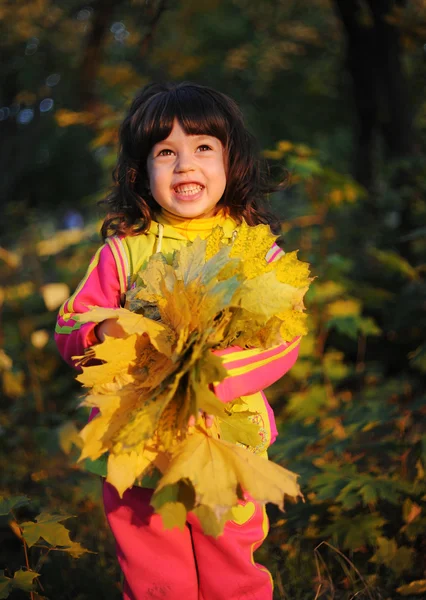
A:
<point x="208" y="419"/>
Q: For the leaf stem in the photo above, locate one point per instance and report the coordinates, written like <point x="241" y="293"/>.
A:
<point x="27" y="563"/>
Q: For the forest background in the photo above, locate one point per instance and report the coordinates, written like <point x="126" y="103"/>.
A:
<point x="334" y="91"/>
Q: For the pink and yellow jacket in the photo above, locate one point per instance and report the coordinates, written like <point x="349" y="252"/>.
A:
<point x="112" y="272"/>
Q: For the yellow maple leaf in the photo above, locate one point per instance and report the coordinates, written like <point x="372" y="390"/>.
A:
<point x="175" y="311"/>
<point x="252" y="245"/>
<point x="118" y="355"/>
<point x="151" y="368"/>
<point x="214" y="242"/>
<point x="156" y="273"/>
<point x="173" y="423"/>
<point x="189" y="261"/>
<point x="237" y="428"/>
<point x="291" y="270"/>
<point x="125" y="468"/>
<point x="219" y="471"/>
<point x="265" y="295"/>
<point x="173" y="514"/>
<point x="212" y="525"/>
<point x="293" y="324"/>
<point x="99" y="433"/>
<point x="161" y="337"/>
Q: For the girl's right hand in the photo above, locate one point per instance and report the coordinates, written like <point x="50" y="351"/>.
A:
<point x="109" y="327"/>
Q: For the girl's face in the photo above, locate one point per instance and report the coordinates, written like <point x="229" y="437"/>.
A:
<point x="187" y="173"/>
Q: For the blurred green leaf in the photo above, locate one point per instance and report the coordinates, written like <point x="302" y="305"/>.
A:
<point x="355" y="531"/>
<point x="304" y="167"/>
<point x="394" y="263"/>
<point x="8" y="504"/>
<point x="387" y="553"/>
<point x="22" y="580"/>
<point x="418" y="358"/>
<point x="6" y="586"/>
<point x="307" y="403"/>
<point x="353" y="325"/>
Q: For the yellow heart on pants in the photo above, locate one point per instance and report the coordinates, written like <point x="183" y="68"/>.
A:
<point x="243" y="512"/>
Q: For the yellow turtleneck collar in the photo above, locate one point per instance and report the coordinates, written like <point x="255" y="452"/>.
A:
<point x="192" y="228"/>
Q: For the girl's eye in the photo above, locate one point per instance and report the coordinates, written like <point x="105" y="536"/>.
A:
<point x="165" y="152"/>
<point x="204" y="147"/>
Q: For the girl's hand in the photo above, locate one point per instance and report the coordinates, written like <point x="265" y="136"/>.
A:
<point x="208" y="419"/>
<point x="109" y="327"/>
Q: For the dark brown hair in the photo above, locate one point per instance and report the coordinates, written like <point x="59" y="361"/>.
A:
<point x="199" y="110"/>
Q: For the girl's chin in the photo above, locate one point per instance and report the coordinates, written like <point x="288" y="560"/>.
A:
<point x="190" y="210"/>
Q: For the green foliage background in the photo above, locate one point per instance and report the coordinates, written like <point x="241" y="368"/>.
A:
<point x="351" y="411"/>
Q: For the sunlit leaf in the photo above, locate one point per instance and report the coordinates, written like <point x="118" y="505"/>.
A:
<point x="218" y="469"/>
<point x="39" y="338"/>
<point x="54" y="294"/>
<point x="24" y="580"/>
<point x="413" y="588"/>
<point x="68" y="437"/>
<point x="14" y="383"/>
<point x="49" y="528"/>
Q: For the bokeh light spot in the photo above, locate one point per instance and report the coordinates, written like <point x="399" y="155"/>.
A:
<point x="46" y="104"/>
<point x="32" y="46"/>
<point x="117" y="27"/>
<point x="53" y="79"/>
<point x="25" y="116"/>
<point x="85" y="13"/>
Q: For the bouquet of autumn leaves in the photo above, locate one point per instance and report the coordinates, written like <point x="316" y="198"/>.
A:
<point x="150" y="383"/>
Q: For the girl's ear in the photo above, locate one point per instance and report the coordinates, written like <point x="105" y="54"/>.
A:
<point x="131" y="175"/>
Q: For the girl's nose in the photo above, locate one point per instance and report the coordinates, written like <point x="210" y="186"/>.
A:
<point x="184" y="162"/>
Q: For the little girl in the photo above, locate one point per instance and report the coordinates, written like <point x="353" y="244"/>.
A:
<point x="186" y="164"/>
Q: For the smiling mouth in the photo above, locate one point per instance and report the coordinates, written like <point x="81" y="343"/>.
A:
<point x="188" y="189"/>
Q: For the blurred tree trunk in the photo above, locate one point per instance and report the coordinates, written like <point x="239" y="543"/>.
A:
<point x="380" y="87"/>
<point x="92" y="58"/>
<point x="148" y="17"/>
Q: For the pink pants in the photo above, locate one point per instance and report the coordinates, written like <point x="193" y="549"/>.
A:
<point x="186" y="565"/>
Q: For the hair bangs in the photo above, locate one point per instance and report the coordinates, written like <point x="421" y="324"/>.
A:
<point x="195" y="109"/>
<point x="157" y="122"/>
<point x="199" y="114"/>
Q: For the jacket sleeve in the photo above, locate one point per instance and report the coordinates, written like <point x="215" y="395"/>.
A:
<point x="251" y="371"/>
<point x="99" y="287"/>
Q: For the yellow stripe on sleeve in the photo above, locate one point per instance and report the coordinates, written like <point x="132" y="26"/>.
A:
<point x="261" y="363"/>
<point x="122" y="277"/>
<point x="70" y="302"/>
<point x="232" y="356"/>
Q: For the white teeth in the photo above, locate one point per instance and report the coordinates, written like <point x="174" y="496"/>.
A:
<point x="188" y="188"/>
